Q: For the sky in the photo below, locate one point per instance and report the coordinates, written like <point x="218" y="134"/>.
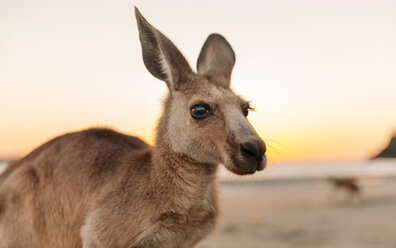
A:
<point x="320" y="74"/>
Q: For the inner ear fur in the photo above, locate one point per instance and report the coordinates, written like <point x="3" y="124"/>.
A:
<point x="216" y="60"/>
<point x="161" y="57"/>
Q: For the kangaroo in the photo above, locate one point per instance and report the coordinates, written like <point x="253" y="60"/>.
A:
<point x="99" y="188"/>
<point x="349" y="185"/>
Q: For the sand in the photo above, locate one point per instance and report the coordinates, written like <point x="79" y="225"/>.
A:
<point x="305" y="214"/>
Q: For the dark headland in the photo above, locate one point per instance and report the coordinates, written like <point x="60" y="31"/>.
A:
<point x="389" y="151"/>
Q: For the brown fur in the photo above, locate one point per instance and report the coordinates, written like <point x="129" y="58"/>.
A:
<point x="99" y="188"/>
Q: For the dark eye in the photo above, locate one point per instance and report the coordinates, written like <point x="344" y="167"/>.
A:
<point x="200" y="111"/>
<point x="246" y="111"/>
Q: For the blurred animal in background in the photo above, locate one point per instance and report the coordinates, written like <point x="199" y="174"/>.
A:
<point x="349" y="185"/>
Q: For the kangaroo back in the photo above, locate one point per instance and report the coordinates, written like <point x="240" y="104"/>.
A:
<point x="60" y="179"/>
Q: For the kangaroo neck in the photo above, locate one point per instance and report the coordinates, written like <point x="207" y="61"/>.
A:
<point x="176" y="176"/>
<point x="179" y="168"/>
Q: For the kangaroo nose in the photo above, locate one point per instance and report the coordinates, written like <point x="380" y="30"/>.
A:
<point x="254" y="150"/>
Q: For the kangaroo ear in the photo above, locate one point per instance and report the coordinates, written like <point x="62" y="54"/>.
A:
<point x="161" y="57"/>
<point x="216" y="59"/>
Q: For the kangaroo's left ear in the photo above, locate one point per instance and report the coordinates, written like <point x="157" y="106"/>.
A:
<point x="161" y="57"/>
<point x="216" y="59"/>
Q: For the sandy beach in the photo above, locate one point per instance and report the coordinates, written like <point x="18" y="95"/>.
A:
<point x="305" y="214"/>
<point x="269" y="211"/>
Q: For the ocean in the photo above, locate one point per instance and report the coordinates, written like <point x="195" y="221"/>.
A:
<point x="377" y="168"/>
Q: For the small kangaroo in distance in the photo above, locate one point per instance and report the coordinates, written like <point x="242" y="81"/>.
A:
<point x="349" y="184"/>
<point x="98" y="188"/>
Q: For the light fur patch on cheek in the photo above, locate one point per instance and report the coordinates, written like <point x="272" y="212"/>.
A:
<point x="185" y="138"/>
<point x="178" y="126"/>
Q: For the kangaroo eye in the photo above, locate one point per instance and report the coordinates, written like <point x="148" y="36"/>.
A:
<point x="200" y="111"/>
<point x="246" y="111"/>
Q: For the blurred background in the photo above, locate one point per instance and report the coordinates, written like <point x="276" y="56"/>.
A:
<point x="320" y="74"/>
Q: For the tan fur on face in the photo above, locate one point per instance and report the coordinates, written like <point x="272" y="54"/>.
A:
<point x="208" y="140"/>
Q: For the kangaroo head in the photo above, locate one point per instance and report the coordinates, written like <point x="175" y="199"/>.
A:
<point x="203" y="118"/>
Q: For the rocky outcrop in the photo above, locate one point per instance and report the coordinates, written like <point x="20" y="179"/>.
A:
<point x="389" y="151"/>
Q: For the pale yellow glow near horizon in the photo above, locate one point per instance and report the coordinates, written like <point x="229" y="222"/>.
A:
<point x="321" y="74"/>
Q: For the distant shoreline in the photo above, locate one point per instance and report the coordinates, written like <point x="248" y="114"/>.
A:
<point x="383" y="168"/>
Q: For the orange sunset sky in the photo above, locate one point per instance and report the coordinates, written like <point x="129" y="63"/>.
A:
<point x="321" y="74"/>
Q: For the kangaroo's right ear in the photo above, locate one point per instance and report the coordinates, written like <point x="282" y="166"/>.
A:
<point x="160" y="55"/>
<point x="216" y="59"/>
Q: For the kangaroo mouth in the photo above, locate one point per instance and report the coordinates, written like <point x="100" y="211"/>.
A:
<point x="245" y="157"/>
<point x="246" y="166"/>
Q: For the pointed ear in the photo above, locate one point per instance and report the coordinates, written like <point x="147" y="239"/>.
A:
<point x="161" y="57"/>
<point x="216" y="59"/>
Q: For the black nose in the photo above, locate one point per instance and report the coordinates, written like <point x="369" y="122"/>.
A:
<point x="254" y="150"/>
